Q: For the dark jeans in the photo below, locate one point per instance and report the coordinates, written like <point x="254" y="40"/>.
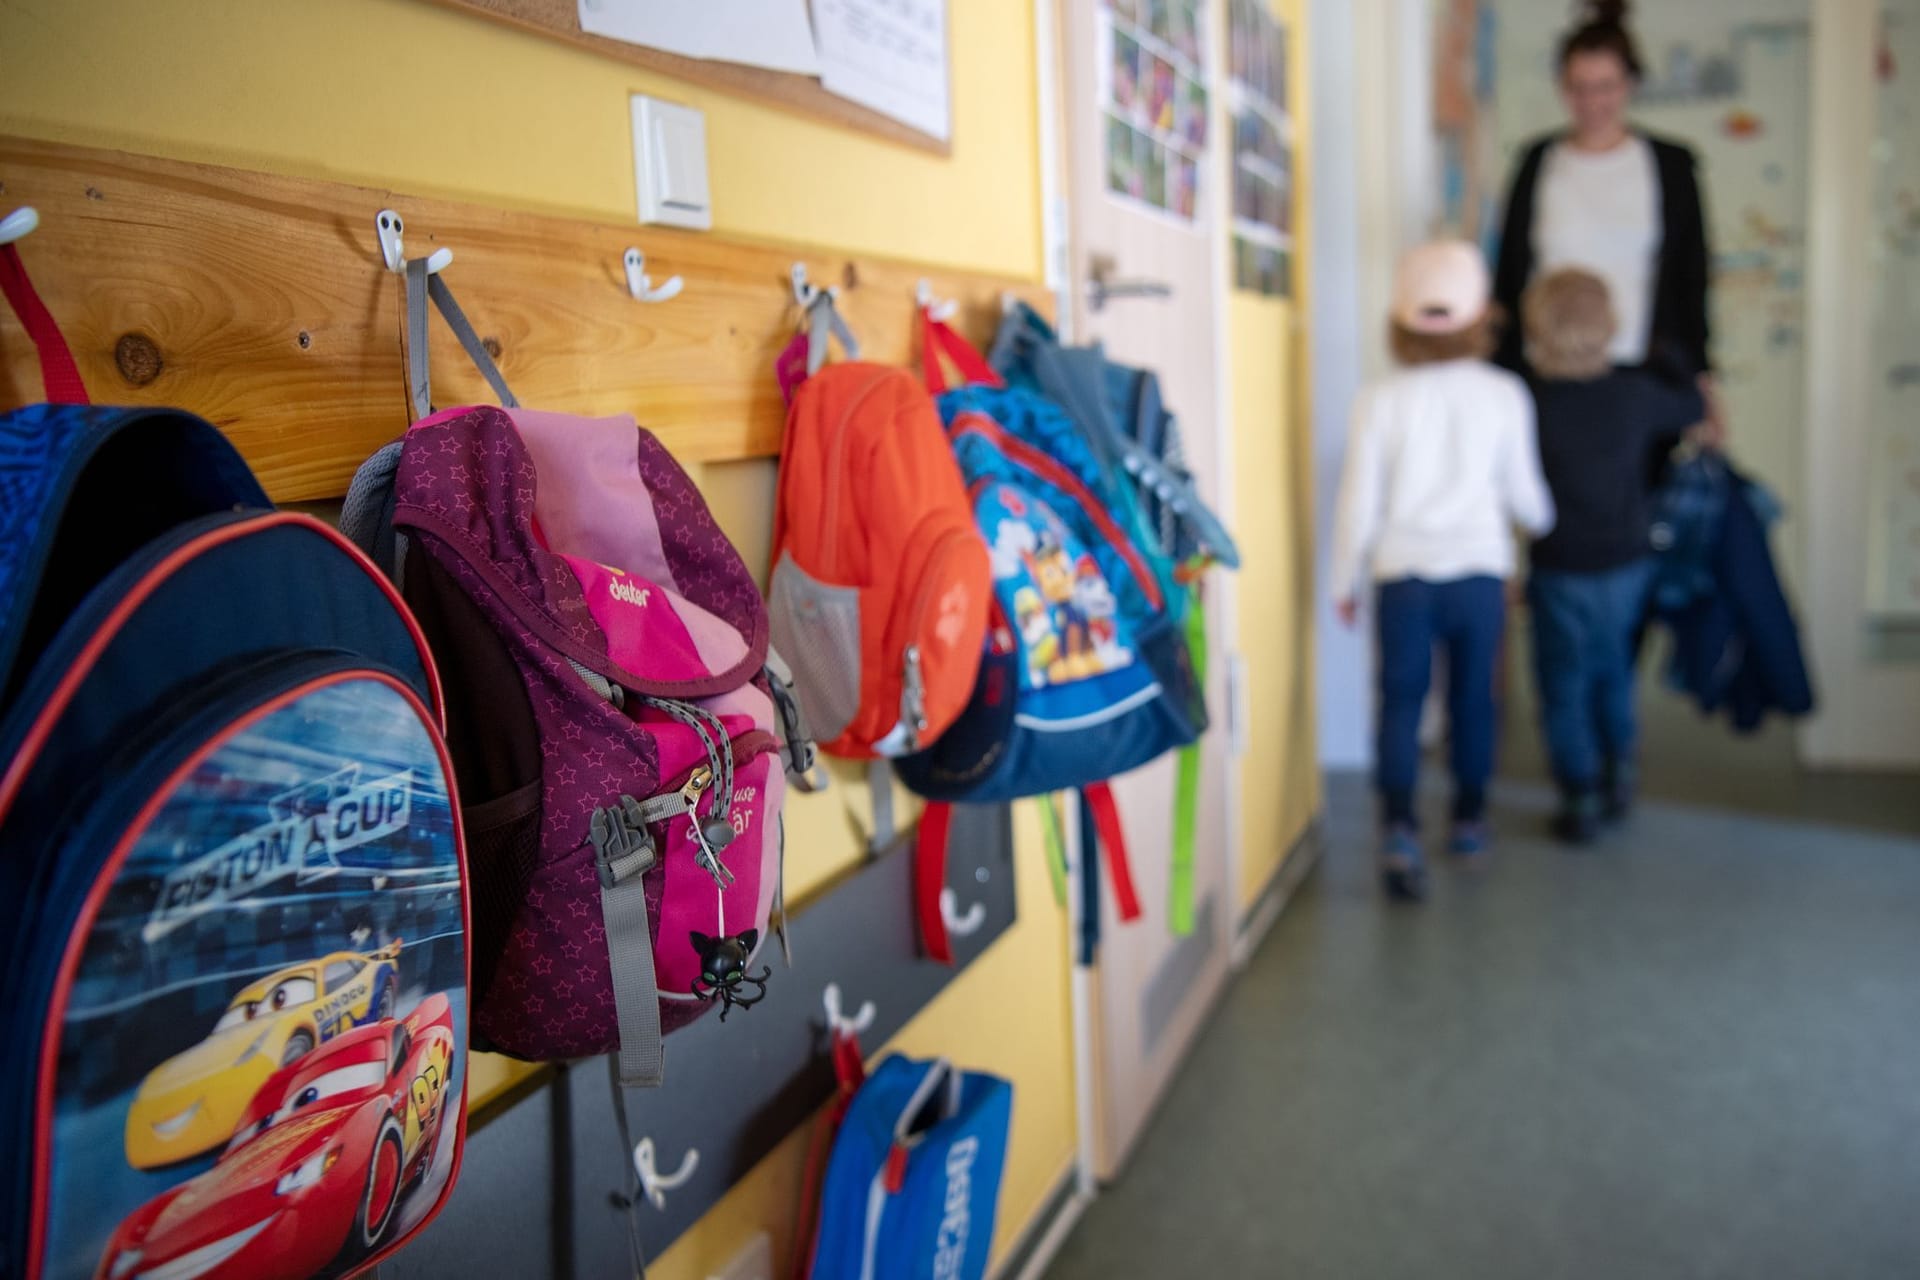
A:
<point x="1583" y="643"/>
<point x="1466" y="617"/>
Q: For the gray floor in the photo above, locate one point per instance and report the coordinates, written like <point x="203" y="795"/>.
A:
<point x="1694" y="1052"/>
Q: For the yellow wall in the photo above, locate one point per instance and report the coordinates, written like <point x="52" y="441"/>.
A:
<point x="404" y="94"/>
<point x="1279" y="775"/>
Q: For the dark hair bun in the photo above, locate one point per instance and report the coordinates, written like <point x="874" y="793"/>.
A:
<point x="1607" y="13"/>
<point x="1603" y="30"/>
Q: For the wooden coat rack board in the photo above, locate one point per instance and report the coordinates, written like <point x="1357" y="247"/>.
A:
<point x="261" y="303"/>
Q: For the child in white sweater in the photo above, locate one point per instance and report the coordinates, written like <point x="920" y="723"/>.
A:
<point x="1442" y="463"/>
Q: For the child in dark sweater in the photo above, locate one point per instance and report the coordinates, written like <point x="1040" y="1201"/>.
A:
<point x="1603" y="431"/>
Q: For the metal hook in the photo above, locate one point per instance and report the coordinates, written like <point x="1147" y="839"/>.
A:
<point x="640" y="285"/>
<point x="936" y="310"/>
<point x="838" y="1022"/>
<point x="958" y="925"/>
<point x="21" y="222"/>
<point x="393" y="250"/>
<point x="654" y="1184"/>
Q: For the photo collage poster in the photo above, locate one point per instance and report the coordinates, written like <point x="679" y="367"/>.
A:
<point x="1262" y="149"/>
<point x="1153" y="86"/>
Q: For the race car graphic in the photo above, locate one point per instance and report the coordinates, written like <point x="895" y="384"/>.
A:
<point x="188" y="1104"/>
<point x="317" y="1169"/>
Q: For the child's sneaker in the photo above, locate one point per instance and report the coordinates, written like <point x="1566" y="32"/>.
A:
<point x="1403" y="870"/>
<point x="1616" y="797"/>
<point x="1469" y="842"/>
<point x="1578" y="822"/>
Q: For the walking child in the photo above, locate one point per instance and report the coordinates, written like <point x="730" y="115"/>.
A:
<point x="1603" y="434"/>
<point x="1441" y="465"/>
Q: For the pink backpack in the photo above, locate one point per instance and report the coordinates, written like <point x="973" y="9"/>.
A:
<point x="620" y="746"/>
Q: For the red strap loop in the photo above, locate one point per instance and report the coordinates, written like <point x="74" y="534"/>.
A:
<point x="937" y="338"/>
<point x="930" y="877"/>
<point x="57" y="369"/>
<point x="1113" y="838"/>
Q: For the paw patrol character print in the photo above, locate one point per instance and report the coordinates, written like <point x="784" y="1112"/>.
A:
<point x="1037" y="636"/>
<point x="1052" y="572"/>
<point x="1094" y="598"/>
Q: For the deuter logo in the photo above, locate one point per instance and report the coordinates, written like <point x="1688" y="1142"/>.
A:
<point x="950" y="1246"/>
<point x="953" y="615"/>
<point x="627" y="593"/>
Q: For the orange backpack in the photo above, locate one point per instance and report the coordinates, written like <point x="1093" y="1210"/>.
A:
<point x="881" y="582"/>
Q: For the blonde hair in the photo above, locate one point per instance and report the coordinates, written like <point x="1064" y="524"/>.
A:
<point x="1569" y="325"/>
<point x="1475" y="342"/>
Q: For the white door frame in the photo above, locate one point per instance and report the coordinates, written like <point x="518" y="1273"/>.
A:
<point x="1869" y="715"/>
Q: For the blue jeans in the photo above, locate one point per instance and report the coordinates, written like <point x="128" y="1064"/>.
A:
<point x="1583" y="643"/>
<point x="1466" y="617"/>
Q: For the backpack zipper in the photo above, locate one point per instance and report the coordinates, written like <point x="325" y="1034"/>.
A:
<point x="913" y="685"/>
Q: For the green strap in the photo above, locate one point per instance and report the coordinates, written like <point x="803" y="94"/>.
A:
<point x="1056" y="849"/>
<point x="1186" y="795"/>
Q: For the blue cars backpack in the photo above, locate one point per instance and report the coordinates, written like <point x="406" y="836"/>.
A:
<point x="913" y="1183"/>
<point x="232" y="894"/>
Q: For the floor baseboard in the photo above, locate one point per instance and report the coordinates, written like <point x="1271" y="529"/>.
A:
<point x="1299" y="864"/>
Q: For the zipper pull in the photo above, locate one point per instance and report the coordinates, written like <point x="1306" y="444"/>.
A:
<point x="913" y="699"/>
<point x="709" y="837"/>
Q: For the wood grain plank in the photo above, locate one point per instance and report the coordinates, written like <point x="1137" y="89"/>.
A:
<point x="259" y="301"/>
<point x="560" y="20"/>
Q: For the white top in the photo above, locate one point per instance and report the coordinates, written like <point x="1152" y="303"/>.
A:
<point x="1600" y="210"/>
<point x="1441" y="464"/>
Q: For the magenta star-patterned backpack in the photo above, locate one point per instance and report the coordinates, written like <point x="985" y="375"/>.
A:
<point x="620" y="745"/>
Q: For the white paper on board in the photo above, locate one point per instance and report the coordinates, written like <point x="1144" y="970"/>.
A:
<point x="758" y="33"/>
<point x="890" y="55"/>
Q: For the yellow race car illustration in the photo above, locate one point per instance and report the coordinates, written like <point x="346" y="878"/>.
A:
<point x="188" y="1104"/>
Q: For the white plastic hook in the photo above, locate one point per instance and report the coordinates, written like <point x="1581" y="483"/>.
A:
<point x="934" y="307"/>
<point x="21" y="222"/>
<point x="837" y="1020"/>
<point x="805" y="292"/>
<point x="393" y="250"/>
<point x="640" y="284"/>
<point x="958" y="925"/>
<point x="654" y="1184"/>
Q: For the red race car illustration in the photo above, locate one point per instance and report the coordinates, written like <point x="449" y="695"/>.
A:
<point x="317" y="1167"/>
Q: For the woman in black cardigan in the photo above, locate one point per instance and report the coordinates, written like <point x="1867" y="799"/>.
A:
<point x="1619" y="202"/>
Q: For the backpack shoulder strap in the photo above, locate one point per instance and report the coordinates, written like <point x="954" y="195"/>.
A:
<point x="57" y="368"/>
<point x="422" y="285"/>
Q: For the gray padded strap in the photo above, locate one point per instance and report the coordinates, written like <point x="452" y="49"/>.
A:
<point x="625" y="854"/>
<point x="422" y="285"/>
<point x="366" y="517"/>
<point x="470" y="341"/>
<point x="823" y="318"/>
<point x="419" y="388"/>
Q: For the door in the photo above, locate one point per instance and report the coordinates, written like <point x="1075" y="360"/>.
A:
<point x="1147" y="279"/>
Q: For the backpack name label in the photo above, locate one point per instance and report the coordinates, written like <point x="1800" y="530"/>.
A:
<point x="950" y="1246"/>
<point x="302" y="842"/>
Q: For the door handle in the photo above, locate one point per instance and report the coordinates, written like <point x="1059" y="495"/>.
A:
<point x="1103" y="286"/>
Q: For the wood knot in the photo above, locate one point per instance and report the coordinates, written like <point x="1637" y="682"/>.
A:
<point x="492" y="345"/>
<point x="138" y="358"/>
<point x="94" y="193"/>
<point x="850" y="276"/>
<point x="305" y="340"/>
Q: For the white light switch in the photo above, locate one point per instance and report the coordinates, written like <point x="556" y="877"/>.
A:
<point x="670" y="163"/>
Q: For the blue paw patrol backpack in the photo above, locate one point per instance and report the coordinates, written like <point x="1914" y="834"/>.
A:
<point x="913" y="1183"/>
<point x="232" y="891"/>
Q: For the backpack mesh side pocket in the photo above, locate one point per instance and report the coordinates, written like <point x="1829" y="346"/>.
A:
<point x="816" y="627"/>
